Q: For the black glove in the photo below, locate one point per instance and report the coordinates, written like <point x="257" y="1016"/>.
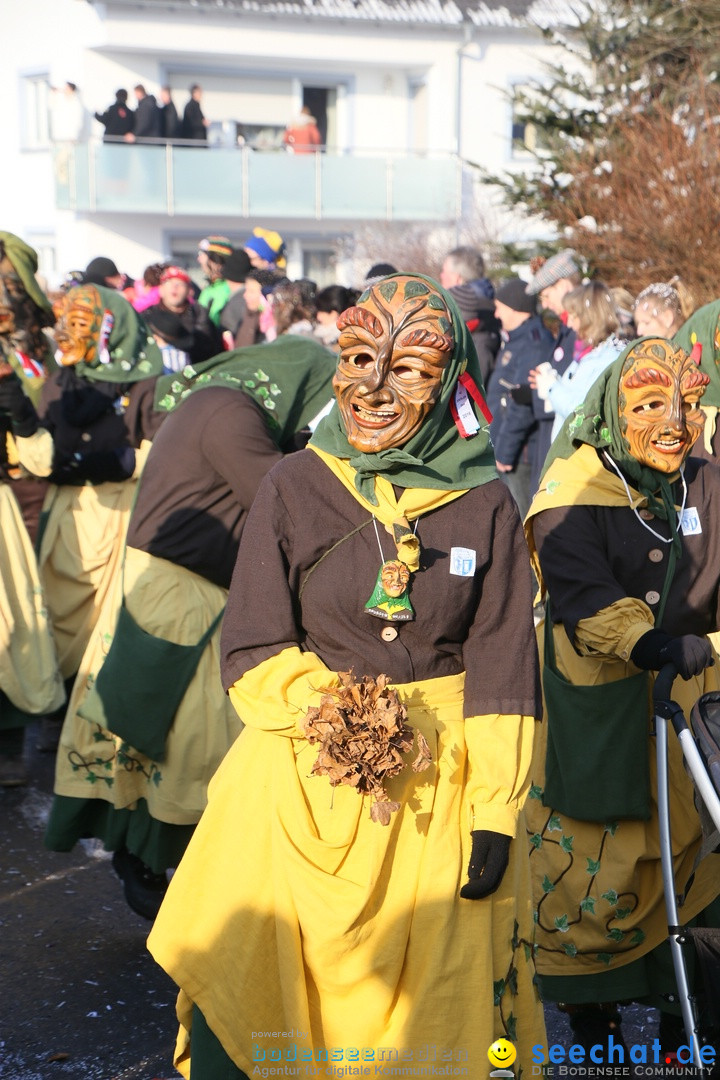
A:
<point x="690" y="654"/>
<point x="96" y="468"/>
<point x="522" y="394"/>
<point x="488" y="862"/>
<point x="17" y="407"/>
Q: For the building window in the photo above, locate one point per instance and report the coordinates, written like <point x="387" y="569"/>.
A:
<point x="526" y="137"/>
<point x="34" y="116"/>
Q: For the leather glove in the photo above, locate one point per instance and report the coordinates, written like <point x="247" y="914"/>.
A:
<point x="488" y="862"/>
<point x="17" y="407"/>
<point x="690" y="654"/>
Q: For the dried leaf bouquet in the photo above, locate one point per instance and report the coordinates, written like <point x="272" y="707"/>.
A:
<point x="362" y="734"/>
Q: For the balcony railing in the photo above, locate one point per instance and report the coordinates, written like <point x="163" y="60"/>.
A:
<point x="173" y="179"/>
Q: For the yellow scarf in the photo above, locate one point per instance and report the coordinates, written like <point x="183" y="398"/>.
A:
<point x="412" y="504"/>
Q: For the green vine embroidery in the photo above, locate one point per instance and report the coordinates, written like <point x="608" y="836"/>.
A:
<point x="99" y="769"/>
<point x="622" y="905"/>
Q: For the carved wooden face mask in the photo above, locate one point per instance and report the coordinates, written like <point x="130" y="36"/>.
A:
<point x="77" y="333"/>
<point x="12" y="292"/>
<point x="394" y="347"/>
<point x="660" y="417"/>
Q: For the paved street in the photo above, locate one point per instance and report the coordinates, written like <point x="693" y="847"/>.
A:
<point x="80" y="997"/>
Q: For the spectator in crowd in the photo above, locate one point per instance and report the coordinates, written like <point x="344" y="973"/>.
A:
<point x="213" y="252"/>
<point x="266" y="250"/>
<point x="463" y="275"/>
<point x="103" y="271"/>
<point x="194" y="122"/>
<point x="515" y="425"/>
<point x="174" y="297"/>
<point x="240" y="317"/>
<point x="293" y="309"/>
<point x="173" y="340"/>
<point x="145" y="290"/>
<point x="147" y="116"/>
<point x="169" y="119"/>
<point x="662" y="308"/>
<point x="330" y="303"/>
<point x="552" y="280"/>
<point x="624" y="302"/>
<point x="118" y="120"/>
<point x="593" y="316"/>
<point x="377" y="272"/>
<point x="301" y="136"/>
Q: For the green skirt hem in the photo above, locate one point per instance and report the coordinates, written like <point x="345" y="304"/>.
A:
<point x="159" y="844"/>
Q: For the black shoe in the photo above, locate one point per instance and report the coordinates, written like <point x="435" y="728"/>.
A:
<point x="593" y="1024"/>
<point x="144" y="890"/>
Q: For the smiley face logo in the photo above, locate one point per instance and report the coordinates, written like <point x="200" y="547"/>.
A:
<point x="502" y="1053"/>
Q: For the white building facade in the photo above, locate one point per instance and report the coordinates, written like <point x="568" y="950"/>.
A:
<point x="407" y="94"/>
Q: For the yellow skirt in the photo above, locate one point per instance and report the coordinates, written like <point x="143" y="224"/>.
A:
<point x="29" y="672"/>
<point x="80" y="555"/>
<point x="598" y="888"/>
<point x="292" y="912"/>
<point x="173" y="603"/>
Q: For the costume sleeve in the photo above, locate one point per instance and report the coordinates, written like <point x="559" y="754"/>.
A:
<point x="499" y="755"/>
<point x="614" y="631"/>
<point x="571" y="547"/>
<point x="238" y="445"/>
<point x="276" y="695"/>
<point x="36" y="452"/>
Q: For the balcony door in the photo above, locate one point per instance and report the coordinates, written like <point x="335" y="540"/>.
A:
<point x="322" y="102"/>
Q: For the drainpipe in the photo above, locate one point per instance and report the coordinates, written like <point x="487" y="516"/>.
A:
<point x="467" y="35"/>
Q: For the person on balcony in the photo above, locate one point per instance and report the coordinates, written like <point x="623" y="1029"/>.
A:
<point x="169" y="119"/>
<point x="194" y="122"/>
<point x="147" y="116"/>
<point x="118" y="120"/>
<point x="302" y="135"/>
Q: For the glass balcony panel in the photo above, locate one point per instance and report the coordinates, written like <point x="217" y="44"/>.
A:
<point x="354" y="187"/>
<point x="424" y="189"/>
<point x="207" y="180"/>
<point x="130" y="177"/>
<point x="281" y="184"/>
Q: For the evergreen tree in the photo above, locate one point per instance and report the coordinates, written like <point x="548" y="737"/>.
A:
<point x="627" y="112"/>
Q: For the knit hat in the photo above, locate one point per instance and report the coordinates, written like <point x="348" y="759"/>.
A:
<point x="216" y="245"/>
<point x="562" y="265"/>
<point x="237" y="267"/>
<point x="170" y="273"/>
<point x="100" y="268"/>
<point x="513" y="293"/>
<point x="269" y="245"/>
<point x="169" y="326"/>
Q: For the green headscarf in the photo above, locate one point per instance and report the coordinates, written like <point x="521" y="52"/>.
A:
<point x="437" y="456"/>
<point x="704" y="326"/>
<point x="597" y="422"/>
<point x="25" y="260"/>
<point x="289" y="378"/>
<point x="129" y="354"/>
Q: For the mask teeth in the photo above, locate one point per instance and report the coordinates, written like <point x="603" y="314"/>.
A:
<point x="696" y="352"/>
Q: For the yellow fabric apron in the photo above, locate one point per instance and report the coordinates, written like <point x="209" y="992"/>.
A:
<point x="292" y="911"/>
<point x="29" y="672"/>
<point x="80" y="555"/>
<point x="176" y="604"/>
